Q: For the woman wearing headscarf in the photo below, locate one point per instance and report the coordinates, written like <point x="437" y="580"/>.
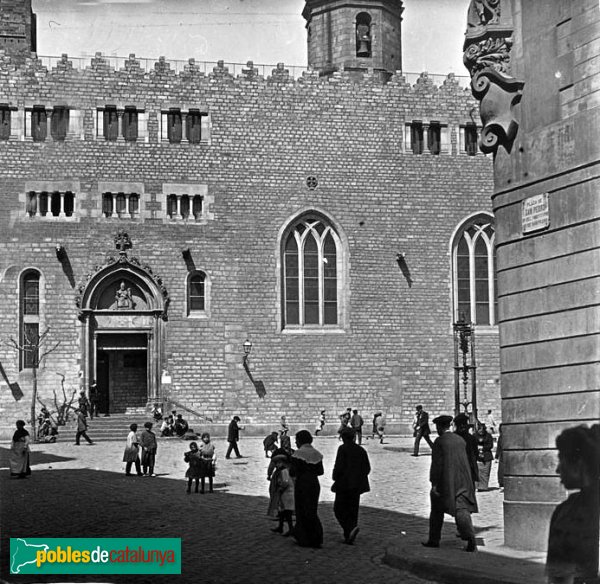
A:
<point x="306" y="468"/>
<point x="19" y="452"/>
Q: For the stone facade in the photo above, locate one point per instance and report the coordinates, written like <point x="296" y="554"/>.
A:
<point x="271" y="150"/>
<point x="547" y="210"/>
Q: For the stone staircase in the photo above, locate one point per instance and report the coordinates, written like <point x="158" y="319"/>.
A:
<point x="115" y="426"/>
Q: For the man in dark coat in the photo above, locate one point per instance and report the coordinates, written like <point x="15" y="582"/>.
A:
<point x="452" y="489"/>
<point x="350" y="475"/>
<point x="421" y="429"/>
<point x="233" y="435"/>
<point x="461" y="427"/>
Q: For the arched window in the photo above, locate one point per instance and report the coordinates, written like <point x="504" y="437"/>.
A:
<point x="311" y="274"/>
<point x="363" y="35"/>
<point x="29" y="319"/>
<point x="196" y="293"/>
<point x="474" y="271"/>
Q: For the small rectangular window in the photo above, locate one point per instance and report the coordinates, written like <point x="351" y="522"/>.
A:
<point x="174" y="126"/>
<point x="416" y="137"/>
<point x="59" y="123"/>
<point x="194" y="126"/>
<point x="471" y="139"/>
<point x="39" y="124"/>
<point x="111" y="123"/>
<point x="130" y="124"/>
<point x="434" y="138"/>
<point x="4" y="123"/>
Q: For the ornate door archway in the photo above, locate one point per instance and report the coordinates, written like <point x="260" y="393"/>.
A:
<point x="123" y="308"/>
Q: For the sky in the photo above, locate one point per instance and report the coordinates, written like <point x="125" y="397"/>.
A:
<point x="236" y="31"/>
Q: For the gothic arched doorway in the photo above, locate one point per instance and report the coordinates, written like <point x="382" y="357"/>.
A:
<point x="123" y="307"/>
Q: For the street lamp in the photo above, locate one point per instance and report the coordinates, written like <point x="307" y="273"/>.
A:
<point x="464" y="367"/>
<point x="247" y="349"/>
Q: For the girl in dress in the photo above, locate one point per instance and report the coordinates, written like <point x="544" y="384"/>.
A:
<point x="132" y="449"/>
<point x="19" y="452"/>
<point x="192" y="457"/>
<point x="281" y="492"/>
<point x="208" y="462"/>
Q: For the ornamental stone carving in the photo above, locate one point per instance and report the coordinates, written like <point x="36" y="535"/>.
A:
<point x="487" y="48"/>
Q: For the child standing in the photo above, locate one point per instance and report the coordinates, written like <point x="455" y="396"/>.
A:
<point x="192" y="457"/>
<point x="208" y="462"/>
<point x="281" y="491"/>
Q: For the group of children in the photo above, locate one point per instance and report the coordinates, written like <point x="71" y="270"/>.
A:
<point x="202" y="461"/>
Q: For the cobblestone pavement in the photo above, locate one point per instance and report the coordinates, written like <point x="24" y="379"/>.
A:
<point x="83" y="492"/>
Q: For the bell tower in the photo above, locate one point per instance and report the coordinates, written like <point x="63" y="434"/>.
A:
<point x="356" y="35"/>
<point x="17" y="29"/>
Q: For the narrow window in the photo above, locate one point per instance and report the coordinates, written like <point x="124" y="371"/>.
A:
<point x="193" y="128"/>
<point x="196" y="292"/>
<point x="416" y="137"/>
<point x="39" y="127"/>
<point x="130" y="124"/>
<point x="55" y="204"/>
<point x="69" y="204"/>
<point x="434" y="138"/>
<point x="363" y="35"/>
<point x="59" y="123"/>
<point x="197" y="207"/>
<point x="174" y="127"/>
<point x="107" y="204"/>
<point x="471" y="139"/>
<point x="29" y="320"/>
<point x="474" y="271"/>
<point x="111" y="123"/>
<point x="134" y="204"/>
<point x="4" y="123"/>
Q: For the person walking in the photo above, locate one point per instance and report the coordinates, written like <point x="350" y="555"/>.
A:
<point x="149" y="448"/>
<point x="350" y="480"/>
<point x="421" y="429"/>
<point x="18" y="457"/>
<point x="490" y="422"/>
<point x="380" y="425"/>
<point x="500" y="458"/>
<point x="306" y="468"/>
<point x="344" y="421"/>
<point x="485" y="445"/>
<point x="356" y="423"/>
<point x="452" y="489"/>
<point x="132" y="450"/>
<point x="81" y="428"/>
<point x="461" y="428"/>
<point x="374" y="426"/>
<point x="233" y="436"/>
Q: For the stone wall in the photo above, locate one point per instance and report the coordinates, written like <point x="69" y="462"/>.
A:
<point x="267" y="136"/>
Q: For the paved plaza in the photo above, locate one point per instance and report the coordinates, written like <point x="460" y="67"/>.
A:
<point x="83" y="492"/>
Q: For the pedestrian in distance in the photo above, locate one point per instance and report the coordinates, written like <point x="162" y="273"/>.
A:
<point x="270" y="443"/>
<point x="344" y="421"/>
<point x="574" y="527"/>
<point x="485" y="445"/>
<point x="83" y="402"/>
<point x="462" y="429"/>
<point x="233" y="436"/>
<point x="490" y="422"/>
<point x="350" y="480"/>
<point x="157" y="413"/>
<point x="192" y="457"/>
<point x="93" y="400"/>
<point x="284" y="430"/>
<point x="132" y="451"/>
<point x="452" y="488"/>
<point x="421" y="429"/>
<point x="320" y="423"/>
<point x="380" y="426"/>
<point x="208" y="462"/>
<point x="356" y="423"/>
<point x="149" y="449"/>
<point x="18" y="457"/>
<point x="306" y="468"/>
<point x="281" y="493"/>
<point x="374" y="426"/>
<point x="81" y="428"/>
<point x="500" y="458"/>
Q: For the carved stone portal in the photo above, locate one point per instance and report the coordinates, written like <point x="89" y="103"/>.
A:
<point x="487" y="50"/>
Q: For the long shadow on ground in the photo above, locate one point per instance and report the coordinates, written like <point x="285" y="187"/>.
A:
<point x="225" y="537"/>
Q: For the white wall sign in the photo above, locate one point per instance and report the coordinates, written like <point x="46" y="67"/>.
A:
<point x="536" y="214"/>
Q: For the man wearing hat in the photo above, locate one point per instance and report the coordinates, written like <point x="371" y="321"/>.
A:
<point x="452" y="488"/>
<point x="461" y="427"/>
<point x="421" y="429"/>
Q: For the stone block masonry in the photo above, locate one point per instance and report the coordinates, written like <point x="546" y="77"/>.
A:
<point x="393" y="348"/>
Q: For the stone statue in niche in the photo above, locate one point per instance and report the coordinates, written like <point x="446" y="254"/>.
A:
<point x="123" y="297"/>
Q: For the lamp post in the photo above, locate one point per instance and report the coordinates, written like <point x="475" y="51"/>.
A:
<point x="247" y="348"/>
<point x="465" y="368"/>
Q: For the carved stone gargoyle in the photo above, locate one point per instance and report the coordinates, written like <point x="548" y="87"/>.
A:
<point x="488" y="43"/>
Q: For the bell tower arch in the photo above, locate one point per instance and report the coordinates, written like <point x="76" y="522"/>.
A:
<point x="123" y="307"/>
<point x="355" y="36"/>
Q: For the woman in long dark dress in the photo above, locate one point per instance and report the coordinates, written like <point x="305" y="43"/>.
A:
<point x="306" y="468"/>
<point x="19" y="452"/>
